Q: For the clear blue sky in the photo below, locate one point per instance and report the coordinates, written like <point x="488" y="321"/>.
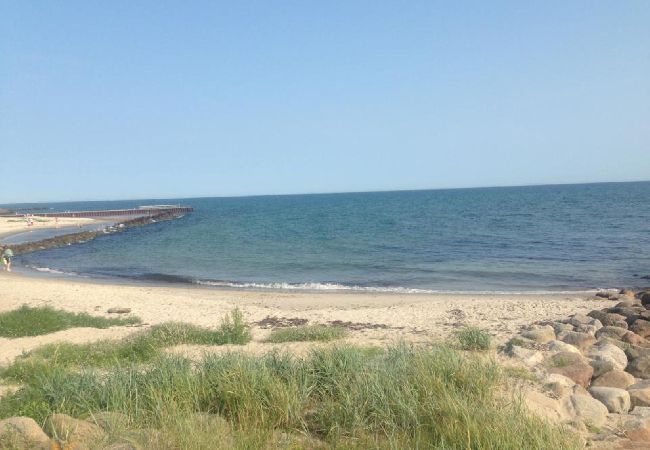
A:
<point x="123" y="99"/>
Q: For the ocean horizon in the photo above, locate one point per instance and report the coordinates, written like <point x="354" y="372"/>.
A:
<point x="547" y="238"/>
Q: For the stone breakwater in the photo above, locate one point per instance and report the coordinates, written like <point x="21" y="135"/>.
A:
<point x="595" y="370"/>
<point x="85" y="236"/>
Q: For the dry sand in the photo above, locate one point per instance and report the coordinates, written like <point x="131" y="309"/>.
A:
<point x="13" y="225"/>
<point x="379" y="318"/>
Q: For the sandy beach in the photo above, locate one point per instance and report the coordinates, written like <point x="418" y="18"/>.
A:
<point x="14" y="225"/>
<point x="374" y="319"/>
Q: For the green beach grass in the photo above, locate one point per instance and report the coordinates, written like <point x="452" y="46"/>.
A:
<point x="28" y="321"/>
<point x="473" y="338"/>
<point x="321" y="333"/>
<point x="346" y="397"/>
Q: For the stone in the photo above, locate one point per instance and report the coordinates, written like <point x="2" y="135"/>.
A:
<point x="640" y="367"/>
<point x="572" y="366"/>
<point x="633" y="338"/>
<point x="558" y="384"/>
<point x="640" y="393"/>
<point x="542" y="334"/>
<point x="589" y="329"/>
<point x="603" y="294"/>
<point x="611" y="332"/>
<point x="590" y="410"/>
<point x="23" y="432"/>
<point x="79" y="433"/>
<point x="614" y="378"/>
<point x="645" y="298"/>
<point x="118" y="310"/>
<point x="559" y="346"/>
<point x="627" y="302"/>
<point x="560" y="327"/>
<point x="637" y="430"/>
<point x="546" y="407"/>
<point x="615" y="400"/>
<point x="605" y="357"/>
<point x="635" y="351"/>
<point x="609" y="319"/>
<point x="579" y="319"/>
<point x="580" y="340"/>
<point x="641" y="327"/>
<point x="527" y="356"/>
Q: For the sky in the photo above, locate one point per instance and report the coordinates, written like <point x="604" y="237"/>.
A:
<point x="162" y="99"/>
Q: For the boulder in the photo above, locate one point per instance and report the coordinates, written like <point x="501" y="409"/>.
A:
<point x="22" y="432"/>
<point x="615" y="400"/>
<point x="579" y="319"/>
<point x="527" y="356"/>
<point x="542" y="334"/>
<point x="78" y="433"/>
<point x="591" y="411"/>
<point x="572" y="366"/>
<point x="609" y="319"/>
<point x="635" y="351"/>
<point x="589" y="329"/>
<point x="546" y="407"/>
<point x="611" y="332"/>
<point x="637" y="430"/>
<point x="641" y="327"/>
<point x="559" y="346"/>
<point x="614" y="378"/>
<point x="605" y="357"/>
<point x="558" y="384"/>
<point x="645" y="298"/>
<point x="577" y="339"/>
<point x="640" y="394"/>
<point x="640" y="367"/>
<point x="627" y="302"/>
<point x="560" y="327"/>
<point x="635" y="339"/>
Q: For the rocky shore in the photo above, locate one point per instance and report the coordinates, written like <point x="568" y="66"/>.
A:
<point x="595" y="370"/>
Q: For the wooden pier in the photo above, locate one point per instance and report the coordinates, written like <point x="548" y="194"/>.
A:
<point x="142" y="211"/>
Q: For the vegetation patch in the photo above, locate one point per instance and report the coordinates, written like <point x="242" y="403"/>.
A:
<point x="321" y="333"/>
<point x="142" y="347"/>
<point x="473" y="338"/>
<point x="403" y="397"/>
<point x="28" y="321"/>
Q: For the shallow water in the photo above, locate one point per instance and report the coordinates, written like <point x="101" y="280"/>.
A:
<point x="520" y="239"/>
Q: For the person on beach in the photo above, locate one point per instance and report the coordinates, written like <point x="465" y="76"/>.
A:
<point x="7" y="254"/>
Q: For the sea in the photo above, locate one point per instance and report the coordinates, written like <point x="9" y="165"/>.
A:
<point x="533" y="239"/>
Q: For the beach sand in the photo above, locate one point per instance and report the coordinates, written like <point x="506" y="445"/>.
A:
<point x="376" y="319"/>
<point x="14" y="225"/>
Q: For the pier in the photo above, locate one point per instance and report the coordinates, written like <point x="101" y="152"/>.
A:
<point x="143" y="211"/>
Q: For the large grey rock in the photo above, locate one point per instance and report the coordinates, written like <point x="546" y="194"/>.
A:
<point x="558" y="384"/>
<point x="614" y="378"/>
<point x="640" y="367"/>
<point x="23" y="432"/>
<point x="615" y="400"/>
<point x="641" y="327"/>
<point x="527" y="356"/>
<point x="640" y="393"/>
<point x="644" y="297"/>
<point x="611" y="332"/>
<point x="559" y="346"/>
<point x="590" y="410"/>
<point x="546" y="407"/>
<point x="571" y="365"/>
<point x="579" y="319"/>
<point x="560" y="327"/>
<point x="77" y="433"/>
<point x="577" y="339"/>
<point x="541" y="334"/>
<point x="605" y="357"/>
<point x="635" y="351"/>
<point x="609" y="319"/>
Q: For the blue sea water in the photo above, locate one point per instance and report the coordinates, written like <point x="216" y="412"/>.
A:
<point x="514" y="239"/>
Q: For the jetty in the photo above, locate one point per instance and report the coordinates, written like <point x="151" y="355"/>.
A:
<point x="142" y="211"/>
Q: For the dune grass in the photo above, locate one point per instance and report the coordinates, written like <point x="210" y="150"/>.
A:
<point x="403" y="397"/>
<point x="307" y="333"/>
<point x="28" y="321"/>
<point x="139" y="348"/>
<point x="473" y="338"/>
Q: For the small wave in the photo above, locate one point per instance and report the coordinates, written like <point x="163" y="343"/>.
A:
<point x="52" y="271"/>
<point x="379" y="289"/>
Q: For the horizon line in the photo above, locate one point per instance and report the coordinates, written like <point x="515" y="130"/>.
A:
<point x="331" y="192"/>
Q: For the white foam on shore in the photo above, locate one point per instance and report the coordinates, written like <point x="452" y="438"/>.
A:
<point x="379" y="289"/>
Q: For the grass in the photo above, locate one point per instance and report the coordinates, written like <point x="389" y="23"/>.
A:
<point x="472" y="338"/>
<point x="346" y="397"/>
<point x="140" y="348"/>
<point x="307" y="333"/>
<point x="28" y="321"/>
